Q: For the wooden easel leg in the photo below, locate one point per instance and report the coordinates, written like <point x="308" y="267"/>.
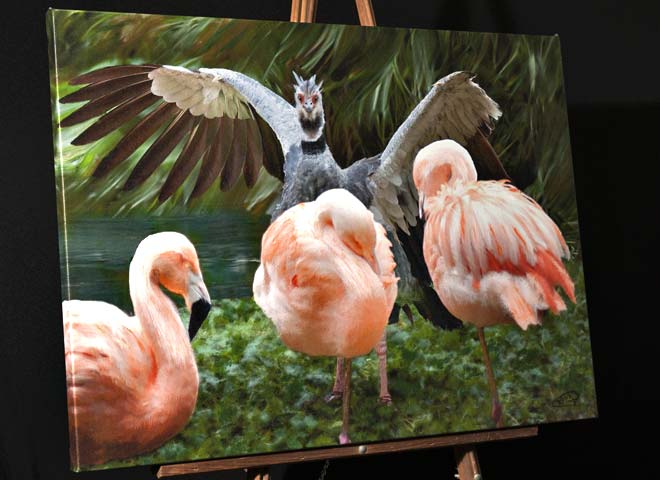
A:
<point x="259" y="473"/>
<point x="497" y="406"/>
<point x="303" y="11"/>
<point x="346" y="404"/>
<point x="467" y="463"/>
<point x="366" y="13"/>
<point x="295" y="11"/>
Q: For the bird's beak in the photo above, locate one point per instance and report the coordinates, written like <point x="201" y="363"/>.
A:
<point x="199" y="303"/>
<point x="421" y="205"/>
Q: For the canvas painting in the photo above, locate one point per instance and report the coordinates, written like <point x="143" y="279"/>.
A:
<point x="280" y="236"/>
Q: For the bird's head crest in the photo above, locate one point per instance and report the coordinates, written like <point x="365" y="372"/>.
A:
<point x="309" y="104"/>
<point x="308" y="86"/>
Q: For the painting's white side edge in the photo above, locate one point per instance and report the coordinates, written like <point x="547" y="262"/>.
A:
<point x="60" y="158"/>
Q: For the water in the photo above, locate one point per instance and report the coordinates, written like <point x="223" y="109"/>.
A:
<point x="100" y="251"/>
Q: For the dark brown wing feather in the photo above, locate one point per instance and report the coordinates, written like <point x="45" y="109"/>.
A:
<point x="115" y="118"/>
<point x="160" y="149"/>
<point x="107" y="73"/>
<point x="236" y="157"/>
<point x="136" y="137"/>
<point x="488" y="163"/>
<point x="102" y="104"/>
<point x="255" y="153"/>
<point x="194" y="149"/>
<point x="273" y="159"/>
<point x="99" y="89"/>
<point x="214" y="159"/>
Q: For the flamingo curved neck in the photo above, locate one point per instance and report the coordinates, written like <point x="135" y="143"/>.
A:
<point x="167" y="404"/>
<point x="159" y="319"/>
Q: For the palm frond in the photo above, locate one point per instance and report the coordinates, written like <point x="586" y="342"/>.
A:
<point x="372" y="80"/>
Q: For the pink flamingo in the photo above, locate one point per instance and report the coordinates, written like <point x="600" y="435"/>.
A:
<point x="493" y="254"/>
<point x="132" y="381"/>
<point x="327" y="281"/>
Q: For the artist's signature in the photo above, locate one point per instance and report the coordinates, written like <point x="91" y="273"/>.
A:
<point x="566" y="399"/>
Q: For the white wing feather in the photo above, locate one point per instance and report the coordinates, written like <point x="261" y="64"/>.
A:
<point x="217" y="92"/>
<point x="454" y="108"/>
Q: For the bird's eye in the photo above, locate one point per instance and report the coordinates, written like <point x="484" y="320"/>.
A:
<point x="301" y="98"/>
<point x="314" y="98"/>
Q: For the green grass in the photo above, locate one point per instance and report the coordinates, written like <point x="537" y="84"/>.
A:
<point x="258" y="396"/>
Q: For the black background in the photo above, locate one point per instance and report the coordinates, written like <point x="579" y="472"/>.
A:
<point x="610" y="54"/>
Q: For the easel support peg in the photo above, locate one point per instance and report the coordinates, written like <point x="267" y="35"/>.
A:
<point x="467" y="463"/>
<point x="261" y="473"/>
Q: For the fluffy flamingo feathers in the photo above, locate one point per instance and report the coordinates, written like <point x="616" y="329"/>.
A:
<point x="132" y="381"/>
<point x="493" y="254"/>
<point x="327" y="281"/>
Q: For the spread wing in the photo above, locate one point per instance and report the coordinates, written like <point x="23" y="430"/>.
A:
<point x="455" y="108"/>
<point x="226" y="120"/>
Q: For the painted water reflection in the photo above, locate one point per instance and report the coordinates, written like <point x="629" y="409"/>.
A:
<point x="100" y="250"/>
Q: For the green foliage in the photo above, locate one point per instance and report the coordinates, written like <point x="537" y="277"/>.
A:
<point x="372" y="80"/>
<point x="257" y="396"/>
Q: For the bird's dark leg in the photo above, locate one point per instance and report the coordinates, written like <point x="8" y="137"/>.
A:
<point x="496" y="412"/>
<point x="394" y="315"/>
<point x="381" y="351"/>
<point x="406" y="309"/>
<point x="338" y="387"/>
<point x="346" y="403"/>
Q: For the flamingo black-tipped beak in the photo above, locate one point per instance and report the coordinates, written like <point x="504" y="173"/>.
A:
<point x="198" y="313"/>
<point x="421" y="205"/>
<point x="199" y="302"/>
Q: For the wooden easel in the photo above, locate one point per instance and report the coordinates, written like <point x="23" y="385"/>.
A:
<point x="257" y="467"/>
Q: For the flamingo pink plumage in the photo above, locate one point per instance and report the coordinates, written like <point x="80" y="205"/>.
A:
<point x="132" y="381"/>
<point x="493" y="254"/>
<point x="327" y="281"/>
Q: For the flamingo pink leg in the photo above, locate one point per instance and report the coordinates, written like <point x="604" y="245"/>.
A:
<point x="346" y="403"/>
<point x="496" y="412"/>
<point x="338" y="387"/>
<point x="381" y="351"/>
